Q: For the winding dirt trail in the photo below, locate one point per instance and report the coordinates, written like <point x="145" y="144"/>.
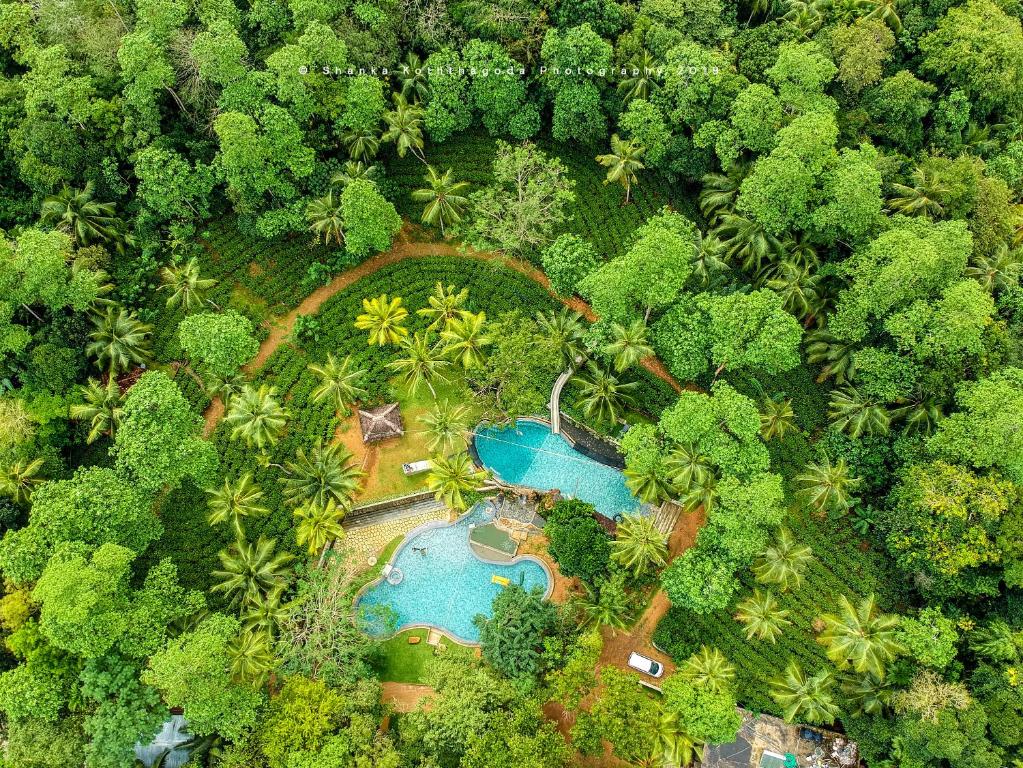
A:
<point x="405" y="247"/>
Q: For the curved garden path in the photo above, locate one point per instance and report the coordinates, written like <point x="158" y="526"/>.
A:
<point x="405" y="247"/>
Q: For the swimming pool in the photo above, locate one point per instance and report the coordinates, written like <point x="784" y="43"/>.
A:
<point x="530" y="454"/>
<point x="448" y="585"/>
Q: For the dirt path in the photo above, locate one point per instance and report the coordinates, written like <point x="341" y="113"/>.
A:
<point x="404" y="248"/>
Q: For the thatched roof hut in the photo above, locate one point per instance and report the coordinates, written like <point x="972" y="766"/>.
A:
<point x="381" y="422"/>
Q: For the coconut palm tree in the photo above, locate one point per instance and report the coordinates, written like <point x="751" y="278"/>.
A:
<point x="267" y="611"/>
<point x="101" y="406"/>
<point x="833" y="355"/>
<point x="339" y="382"/>
<point x="444" y="197"/>
<point x="641" y="82"/>
<point x="566" y="329"/>
<point x="325" y="474"/>
<point x="119" y="340"/>
<point x="709" y="668"/>
<point x="256" y="417"/>
<point x="355" y="170"/>
<point x="886" y="11"/>
<point x="997" y="271"/>
<point x="317" y="525"/>
<point x="776" y="418"/>
<point x="861" y="636"/>
<point x="648" y="484"/>
<point x="708" y="261"/>
<point x="622" y="163"/>
<point x="638" y="545"/>
<point x="445" y="304"/>
<point x="630" y="344"/>
<point x="856" y="414"/>
<point x="405" y="127"/>
<point x="687" y="467"/>
<point x="225" y="387"/>
<point x="607" y="605"/>
<point x="187" y="287"/>
<point x="762" y="617"/>
<point x="325" y="218"/>
<point x="383" y="318"/>
<point x="923" y="196"/>
<point x="865" y="694"/>
<point x="249" y="571"/>
<point x="423" y="362"/>
<point x="784" y="562"/>
<point x="805" y="698"/>
<point x="450" y="477"/>
<point x="19" y="479"/>
<point x="721" y="190"/>
<point x="827" y="487"/>
<point x="797" y="285"/>
<point x="87" y="221"/>
<point x="446" y="427"/>
<point x="362" y="145"/>
<point x="415" y="86"/>
<point x="602" y="396"/>
<point x="251" y="657"/>
<point x="675" y="747"/>
<point x="919" y="413"/>
<point x="234" y="502"/>
<point x="464" y="339"/>
<point x="745" y="240"/>
<point x="701" y="494"/>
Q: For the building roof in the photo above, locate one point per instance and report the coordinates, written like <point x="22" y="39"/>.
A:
<point x="381" y="422"/>
<point x="762" y="734"/>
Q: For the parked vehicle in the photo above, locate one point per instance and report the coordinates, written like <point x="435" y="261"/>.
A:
<point x="643" y="664"/>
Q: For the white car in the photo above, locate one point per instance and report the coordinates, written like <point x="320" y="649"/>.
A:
<point x="643" y="664"/>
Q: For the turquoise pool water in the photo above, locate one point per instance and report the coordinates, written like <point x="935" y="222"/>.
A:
<point x="448" y="585"/>
<point x="530" y="454"/>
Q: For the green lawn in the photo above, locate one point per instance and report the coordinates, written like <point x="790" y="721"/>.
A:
<point x="399" y="662"/>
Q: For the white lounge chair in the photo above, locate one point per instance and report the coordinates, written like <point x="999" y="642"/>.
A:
<point x="415" y="467"/>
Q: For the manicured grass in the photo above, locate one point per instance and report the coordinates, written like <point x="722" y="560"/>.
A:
<point x="373" y="572"/>
<point x="399" y="662"/>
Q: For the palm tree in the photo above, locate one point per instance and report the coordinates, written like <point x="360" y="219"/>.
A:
<point x="19" y="479"/>
<point x="355" y="170"/>
<point x="708" y="261"/>
<point x="225" y="387"/>
<point x="648" y="484"/>
<point x="687" y="467"/>
<point x="119" y="340"/>
<point x="445" y="305"/>
<point x="325" y="218"/>
<point x="444" y="197"/>
<point x="423" y="363"/>
<point x="641" y="82"/>
<point x="362" y="145"/>
<point x="101" y="406"/>
<point x="996" y="640"/>
<point x="608" y="605"/>
<point x="187" y="287"/>
<point x="629" y="345"/>
<point x="415" y="87"/>
<point x="998" y="271"/>
<point x="323" y="475"/>
<point x="566" y="329"/>
<point x="405" y="127"/>
<point x="256" y="417"/>
<point x="602" y="396"/>
<point x="266" y="612"/>
<point x="865" y="694"/>
<point x="721" y="190"/>
<point x="446" y="427"/>
<point x="886" y="11"/>
<point x="919" y="413"/>
<point x="383" y="319"/>
<point x="701" y="494"/>
<point x="249" y="571"/>
<point x="861" y="636"/>
<point x="762" y="617"/>
<point x="784" y="562"/>
<point x="638" y="545"/>
<point x="450" y="477"/>
<point x="251" y="657"/>
<point x="856" y="414"/>
<point x="922" y="197"/>
<point x="745" y="240"/>
<point x="622" y="163"/>
<point x="339" y="382"/>
<point x="827" y="487"/>
<point x="833" y="355"/>
<point x="776" y="418"/>
<point x="317" y="525"/>
<point x="797" y="285"/>
<point x="805" y="698"/>
<point x="675" y="747"/>
<point x="85" y="219"/>
<point x="464" y="338"/>
<point x="235" y="501"/>
<point x="709" y="668"/>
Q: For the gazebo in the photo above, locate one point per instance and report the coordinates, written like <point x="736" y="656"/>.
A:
<point x="381" y="422"/>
